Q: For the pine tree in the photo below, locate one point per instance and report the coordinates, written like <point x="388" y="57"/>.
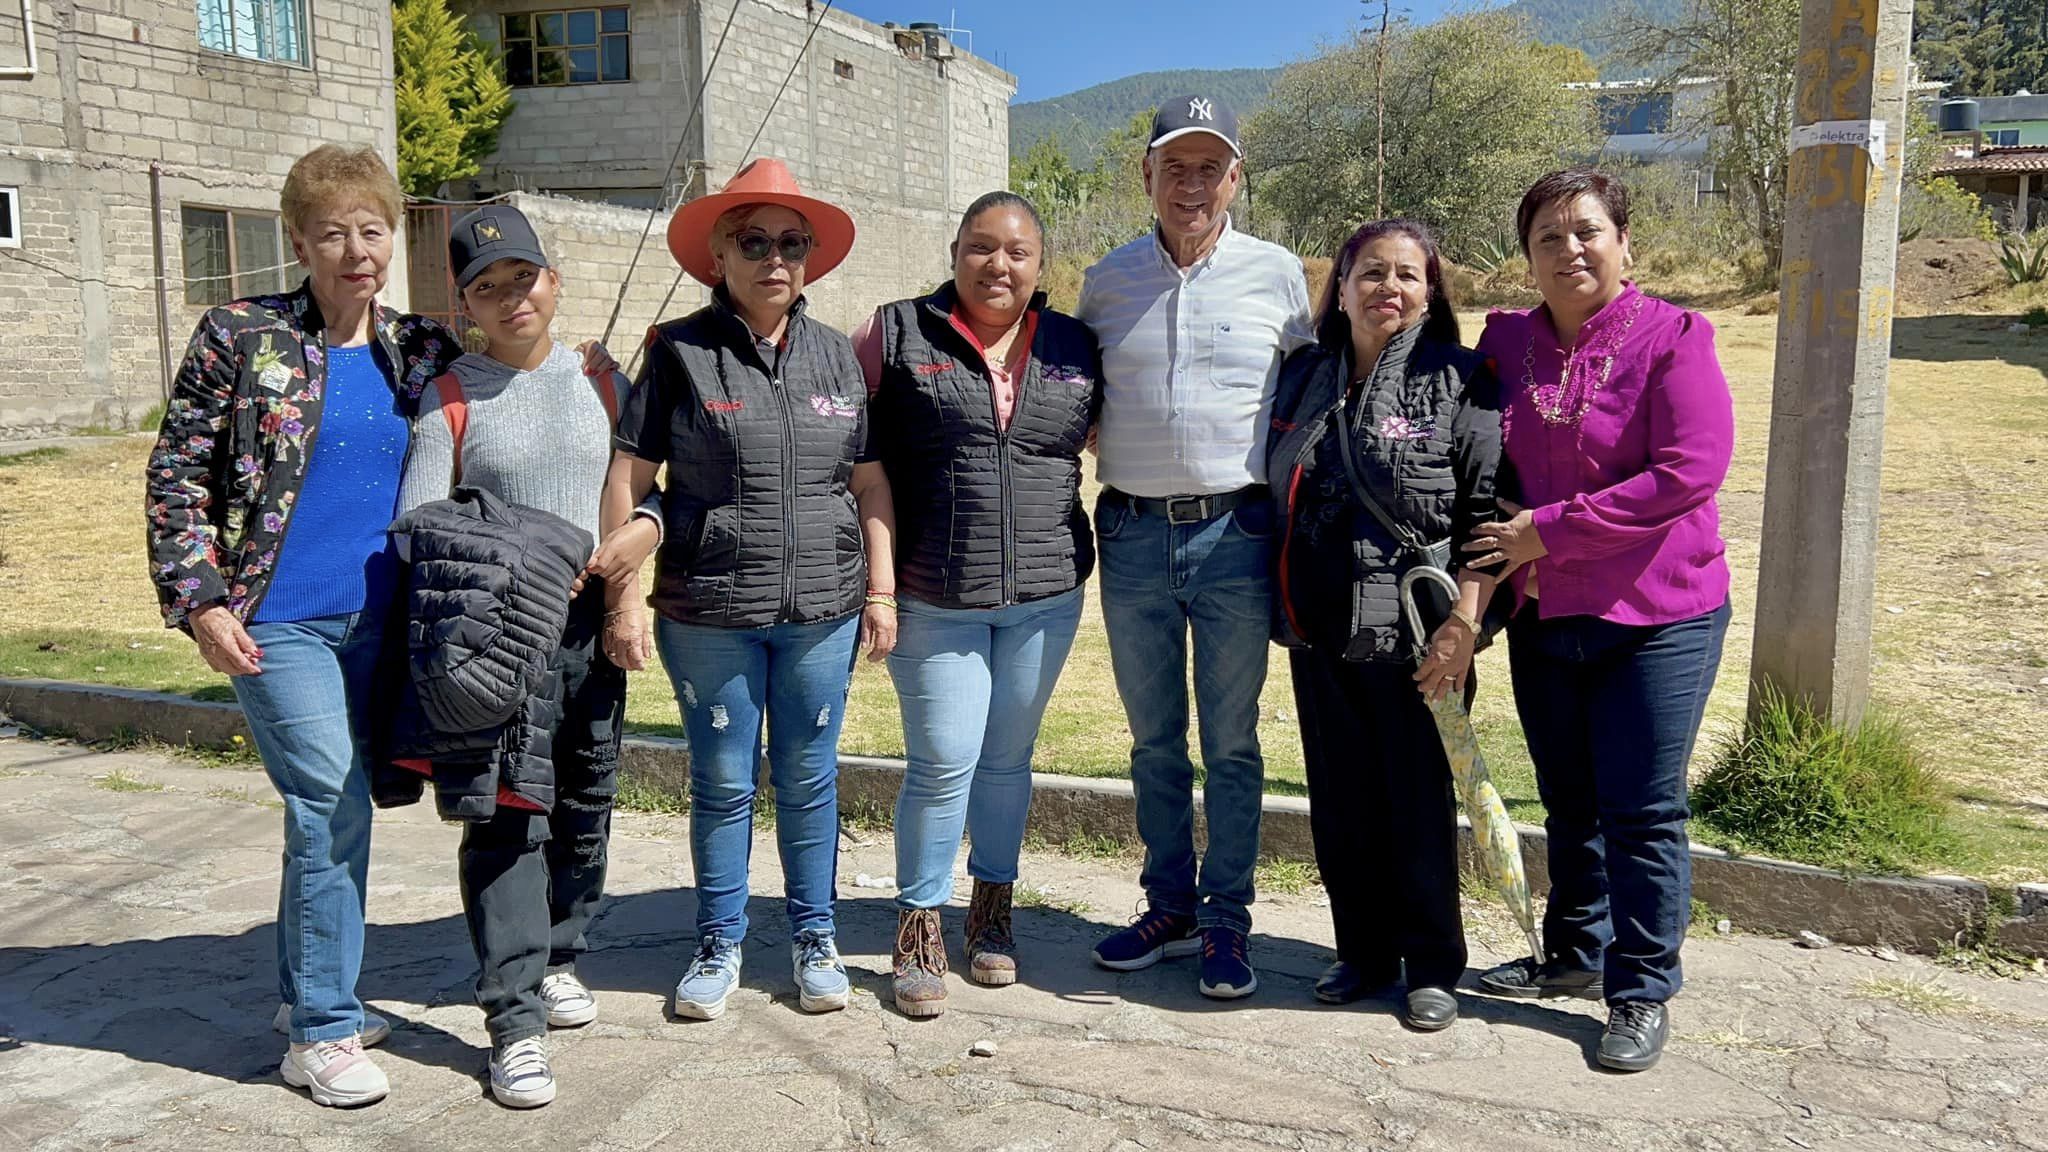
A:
<point x="452" y="96"/>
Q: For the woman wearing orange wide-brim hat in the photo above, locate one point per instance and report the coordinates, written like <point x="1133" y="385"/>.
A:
<point x="778" y="514"/>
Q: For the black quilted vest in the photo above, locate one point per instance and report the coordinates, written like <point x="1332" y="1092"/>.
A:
<point x="986" y="516"/>
<point x="1426" y="425"/>
<point x="761" y="522"/>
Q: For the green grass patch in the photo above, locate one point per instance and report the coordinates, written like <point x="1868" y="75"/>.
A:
<point x="31" y="457"/>
<point x="120" y="780"/>
<point x="1033" y="896"/>
<point x="1791" y="784"/>
<point x="1277" y="877"/>
<point x="1922" y="997"/>
<point x="639" y="795"/>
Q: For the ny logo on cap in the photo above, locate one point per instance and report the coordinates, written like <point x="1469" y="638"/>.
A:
<point x="487" y="232"/>
<point x="1200" y="109"/>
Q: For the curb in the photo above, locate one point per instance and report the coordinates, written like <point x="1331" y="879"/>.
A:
<point x="1923" y="914"/>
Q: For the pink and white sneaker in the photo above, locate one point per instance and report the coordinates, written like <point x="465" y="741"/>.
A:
<point x="338" y="1073"/>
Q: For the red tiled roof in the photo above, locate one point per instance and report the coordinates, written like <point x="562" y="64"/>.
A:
<point x="1992" y="161"/>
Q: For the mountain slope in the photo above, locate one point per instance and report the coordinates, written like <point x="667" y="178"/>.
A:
<point x="1081" y="119"/>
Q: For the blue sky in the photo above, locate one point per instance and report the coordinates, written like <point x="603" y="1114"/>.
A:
<point x="1057" y="46"/>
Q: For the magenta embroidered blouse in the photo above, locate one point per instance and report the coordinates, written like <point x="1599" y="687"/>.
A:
<point x="1624" y="497"/>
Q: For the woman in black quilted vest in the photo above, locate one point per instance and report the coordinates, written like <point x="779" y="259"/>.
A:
<point x="1385" y="411"/>
<point x="776" y="514"/>
<point x="983" y="398"/>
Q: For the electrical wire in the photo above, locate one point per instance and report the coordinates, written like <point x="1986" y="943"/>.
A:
<point x="682" y="140"/>
<point x="744" y="157"/>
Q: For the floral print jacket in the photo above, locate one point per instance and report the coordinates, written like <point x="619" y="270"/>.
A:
<point x="238" y="435"/>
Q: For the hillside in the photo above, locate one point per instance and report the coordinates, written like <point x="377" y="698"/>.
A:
<point x="1082" y="118"/>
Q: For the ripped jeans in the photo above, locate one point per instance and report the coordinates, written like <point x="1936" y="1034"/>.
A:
<point x="531" y="882"/>
<point x="725" y="679"/>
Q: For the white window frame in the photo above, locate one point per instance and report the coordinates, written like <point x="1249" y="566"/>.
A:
<point x="304" y="12"/>
<point x="12" y="197"/>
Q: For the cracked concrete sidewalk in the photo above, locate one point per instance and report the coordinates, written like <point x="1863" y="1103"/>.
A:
<point x="136" y="994"/>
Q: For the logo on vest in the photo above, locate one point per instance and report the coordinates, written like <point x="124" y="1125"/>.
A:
<point x="1068" y="378"/>
<point x="838" y="407"/>
<point x="1402" y="428"/>
<point x="723" y="405"/>
<point x="931" y="369"/>
<point x="1200" y="109"/>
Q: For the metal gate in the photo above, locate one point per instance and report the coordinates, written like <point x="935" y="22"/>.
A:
<point x="428" y="277"/>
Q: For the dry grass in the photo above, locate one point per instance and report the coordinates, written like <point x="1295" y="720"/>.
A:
<point x="1922" y="997"/>
<point x="1962" y="560"/>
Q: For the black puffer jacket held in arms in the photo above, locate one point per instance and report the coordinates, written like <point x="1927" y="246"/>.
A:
<point x="487" y="601"/>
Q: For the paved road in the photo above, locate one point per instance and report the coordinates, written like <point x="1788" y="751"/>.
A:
<point x="135" y="937"/>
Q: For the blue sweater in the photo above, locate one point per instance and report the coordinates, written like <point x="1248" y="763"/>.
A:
<point x="337" y="555"/>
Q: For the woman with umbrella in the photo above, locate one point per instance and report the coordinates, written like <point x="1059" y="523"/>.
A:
<point x="1385" y="440"/>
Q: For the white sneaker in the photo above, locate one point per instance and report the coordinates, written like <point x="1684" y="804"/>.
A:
<point x="570" y="1004"/>
<point x="376" y="1029"/>
<point x="337" y="1072"/>
<point x="520" y="1076"/>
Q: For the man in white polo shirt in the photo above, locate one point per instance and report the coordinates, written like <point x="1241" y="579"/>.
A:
<point x="1194" y="320"/>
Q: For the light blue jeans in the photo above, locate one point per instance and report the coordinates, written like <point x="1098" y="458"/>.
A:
<point x="1161" y="584"/>
<point x="309" y="711"/>
<point x="726" y="679"/>
<point x="973" y="685"/>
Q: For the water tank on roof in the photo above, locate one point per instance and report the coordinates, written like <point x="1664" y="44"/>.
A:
<point x="1958" y="116"/>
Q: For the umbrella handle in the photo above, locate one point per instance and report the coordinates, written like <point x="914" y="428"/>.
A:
<point x="1409" y="579"/>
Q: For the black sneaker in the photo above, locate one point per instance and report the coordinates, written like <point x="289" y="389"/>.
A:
<point x="1524" y="979"/>
<point x="1636" y="1032"/>
<point x="1151" y="938"/>
<point x="1227" y="965"/>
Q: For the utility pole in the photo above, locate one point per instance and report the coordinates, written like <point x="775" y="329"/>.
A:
<point x="1379" y="196"/>
<point x="1816" y="583"/>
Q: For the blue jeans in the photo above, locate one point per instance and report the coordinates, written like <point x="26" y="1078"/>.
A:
<point x="973" y="685"/>
<point x="1610" y="712"/>
<point x="725" y="678"/>
<point x="1159" y="582"/>
<point x="309" y="711"/>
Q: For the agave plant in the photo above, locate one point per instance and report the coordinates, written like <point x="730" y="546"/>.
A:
<point x="2024" y="257"/>
<point x="1488" y="255"/>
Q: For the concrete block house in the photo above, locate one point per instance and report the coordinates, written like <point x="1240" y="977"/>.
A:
<point x="129" y="127"/>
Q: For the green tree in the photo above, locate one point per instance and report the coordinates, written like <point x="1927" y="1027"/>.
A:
<point x="1983" y="47"/>
<point x="1476" y="109"/>
<point x="1749" y="50"/>
<point x="452" y="96"/>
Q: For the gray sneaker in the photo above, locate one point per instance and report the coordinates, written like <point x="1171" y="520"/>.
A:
<point x="520" y="1075"/>
<point x="701" y="993"/>
<point x="820" y="977"/>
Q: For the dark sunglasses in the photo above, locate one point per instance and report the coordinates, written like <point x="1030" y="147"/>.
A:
<point x="755" y="244"/>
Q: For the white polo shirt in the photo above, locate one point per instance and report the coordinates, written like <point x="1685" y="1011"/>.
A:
<point x="1190" y="357"/>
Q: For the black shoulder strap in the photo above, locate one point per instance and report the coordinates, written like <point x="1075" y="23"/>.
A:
<point x="1347" y="451"/>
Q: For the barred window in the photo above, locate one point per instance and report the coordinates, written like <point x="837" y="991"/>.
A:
<point x="272" y="30"/>
<point x="575" y="46"/>
<point x="230" y="254"/>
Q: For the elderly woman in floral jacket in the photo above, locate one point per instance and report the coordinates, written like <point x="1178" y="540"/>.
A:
<point x="270" y="490"/>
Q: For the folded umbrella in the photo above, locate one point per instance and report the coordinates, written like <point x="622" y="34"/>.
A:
<point x="1500" y="849"/>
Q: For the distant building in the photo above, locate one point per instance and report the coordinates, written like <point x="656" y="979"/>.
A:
<point x="899" y="125"/>
<point x="222" y="95"/>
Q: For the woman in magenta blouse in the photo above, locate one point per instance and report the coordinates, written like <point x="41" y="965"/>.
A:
<point x="1619" y="428"/>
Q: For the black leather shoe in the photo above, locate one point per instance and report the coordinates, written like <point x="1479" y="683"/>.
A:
<point x="1343" y="983"/>
<point x="1636" y="1032"/>
<point x="1430" y="1009"/>
<point x="1524" y="980"/>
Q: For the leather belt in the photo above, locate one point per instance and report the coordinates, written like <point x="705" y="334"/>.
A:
<point x="1187" y="509"/>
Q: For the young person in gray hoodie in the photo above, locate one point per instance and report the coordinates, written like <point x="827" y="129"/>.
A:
<point x="531" y="420"/>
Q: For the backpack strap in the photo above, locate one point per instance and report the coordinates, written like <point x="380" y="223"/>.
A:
<point x="456" y="411"/>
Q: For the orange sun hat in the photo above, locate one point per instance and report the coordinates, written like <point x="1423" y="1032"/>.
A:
<point x="763" y="181"/>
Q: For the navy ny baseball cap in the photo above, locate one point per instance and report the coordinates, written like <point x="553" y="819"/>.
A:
<point x="1185" y="114"/>
<point x="492" y="233"/>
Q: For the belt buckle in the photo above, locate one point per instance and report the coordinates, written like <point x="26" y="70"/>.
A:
<point x="1173" y="503"/>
